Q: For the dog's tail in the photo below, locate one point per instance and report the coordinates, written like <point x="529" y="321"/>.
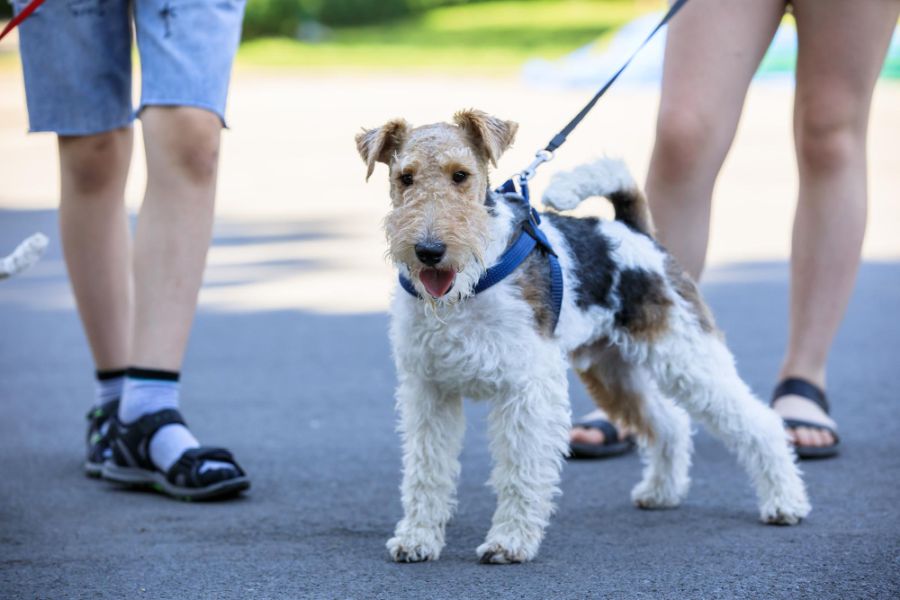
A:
<point x="606" y="177"/>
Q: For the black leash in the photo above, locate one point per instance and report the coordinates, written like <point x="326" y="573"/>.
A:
<point x="559" y="139"/>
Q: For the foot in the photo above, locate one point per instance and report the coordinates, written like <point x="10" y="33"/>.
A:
<point x="802" y="409"/>
<point x="199" y="473"/>
<point x="98" y="449"/>
<point x="587" y="441"/>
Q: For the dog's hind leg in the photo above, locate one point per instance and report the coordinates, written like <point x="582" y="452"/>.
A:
<point x="695" y="368"/>
<point x="432" y="426"/>
<point x="529" y="430"/>
<point x="628" y="394"/>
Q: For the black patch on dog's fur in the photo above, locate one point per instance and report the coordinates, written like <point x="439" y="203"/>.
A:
<point x="520" y="209"/>
<point x="591" y="254"/>
<point x="490" y="203"/>
<point x="643" y="302"/>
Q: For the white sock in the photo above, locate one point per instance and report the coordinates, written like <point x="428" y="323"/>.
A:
<point x="147" y="392"/>
<point x="108" y="387"/>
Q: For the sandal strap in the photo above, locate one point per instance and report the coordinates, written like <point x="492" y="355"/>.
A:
<point x="103" y="412"/>
<point x="795" y="386"/>
<point x="185" y="472"/>
<point x="132" y="442"/>
<point x="610" y="431"/>
<point x="797" y="423"/>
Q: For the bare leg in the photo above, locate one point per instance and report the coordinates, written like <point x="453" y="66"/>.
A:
<point x="174" y="230"/>
<point x="712" y="51"/>
<point x="698" y="116"/>
<point x="95" y="238"/>
<point x="841" y="50"/>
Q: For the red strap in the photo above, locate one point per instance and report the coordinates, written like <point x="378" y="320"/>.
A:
<point x="26" y="12"/>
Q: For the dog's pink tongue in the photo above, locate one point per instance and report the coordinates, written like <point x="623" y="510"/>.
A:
<point x="437" y="281"/>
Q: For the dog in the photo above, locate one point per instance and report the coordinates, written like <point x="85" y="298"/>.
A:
<point x="631" y="324"/>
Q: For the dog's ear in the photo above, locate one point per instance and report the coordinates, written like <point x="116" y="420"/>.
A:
<point x="381" y="143"/>
<point x="490" y="134"/>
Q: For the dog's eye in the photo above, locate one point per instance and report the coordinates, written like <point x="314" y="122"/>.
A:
<point x="406" y="179"/>
<point x="460" y="176"/>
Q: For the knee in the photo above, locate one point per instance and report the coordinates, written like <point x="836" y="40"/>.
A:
<point x="683" y="139"/>
<point x="92" y="164"/>
<point x="826" y="140"/>
<point x="191" y="143"/>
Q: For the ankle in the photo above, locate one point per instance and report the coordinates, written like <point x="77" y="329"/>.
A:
<point x="814" y="374"/>
<point x="109" y="385"/>
<point x="147" y="391"/>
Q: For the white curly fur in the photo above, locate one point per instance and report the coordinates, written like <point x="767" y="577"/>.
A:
<point x="25" y="255"/>
<point x="599" y="178"/>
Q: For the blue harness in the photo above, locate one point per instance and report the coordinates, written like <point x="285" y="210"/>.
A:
<point x="530" y="237"/>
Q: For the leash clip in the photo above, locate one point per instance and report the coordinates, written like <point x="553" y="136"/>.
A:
<point x="541" y="156"/>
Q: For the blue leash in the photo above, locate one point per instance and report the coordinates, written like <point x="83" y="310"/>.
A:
<point x="531" y="236"/>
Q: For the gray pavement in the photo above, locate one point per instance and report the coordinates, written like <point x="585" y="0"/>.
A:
<point x="305" y="401"/>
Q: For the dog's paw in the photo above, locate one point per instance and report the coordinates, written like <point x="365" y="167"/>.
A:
<point x="415" y="546"/>
<point x="785" y="513"/>
<point x="654" y="494"/>
<point x="495" y="553"/>
<point x="786" y="505"/>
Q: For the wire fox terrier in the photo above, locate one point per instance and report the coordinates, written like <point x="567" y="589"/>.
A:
<point x="631" y="324"/>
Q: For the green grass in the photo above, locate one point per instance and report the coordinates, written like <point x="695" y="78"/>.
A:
<point x="488" y="36"/>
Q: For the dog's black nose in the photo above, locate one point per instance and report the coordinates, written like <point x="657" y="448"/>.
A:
<point x="430" y="253"/>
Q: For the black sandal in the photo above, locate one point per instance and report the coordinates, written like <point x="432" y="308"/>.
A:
<point x="98" y="450"/>
<point x="612" y="444"/>
<point x="794" y="386"/>
<point x="131" y="465"/>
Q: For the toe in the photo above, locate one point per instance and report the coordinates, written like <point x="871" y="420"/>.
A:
<point x="583" y="435"/>
<point x="804" y="437"/>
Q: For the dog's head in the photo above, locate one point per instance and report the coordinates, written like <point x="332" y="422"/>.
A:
<point x="438" y="227"/>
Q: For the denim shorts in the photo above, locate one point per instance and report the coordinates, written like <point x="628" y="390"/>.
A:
<point x="76" y="56"/>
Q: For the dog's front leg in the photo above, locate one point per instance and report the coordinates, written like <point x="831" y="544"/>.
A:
<point x="529" y="432"/>
<point x="432" y="426"/>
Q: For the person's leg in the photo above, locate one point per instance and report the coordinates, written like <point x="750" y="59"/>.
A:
<point x="841" y="49"/>
<point x="713" y="48"/>
<point x="95" y="239"/>
<point x="173" y="231"/>
<point x="171" y="241"/>
<point x="96" y="244"/>
<point x="185" y="68"/>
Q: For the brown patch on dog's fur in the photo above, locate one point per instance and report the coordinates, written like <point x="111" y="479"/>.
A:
<point x="533" y="279"/>
<point x="490" y="134"/>
<point x="685" y="287"/>
<point x="380" y="144"/>
<point x="632" y="209"/>
<point x="622" y="405"/>
<point x="644" y="304"/>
